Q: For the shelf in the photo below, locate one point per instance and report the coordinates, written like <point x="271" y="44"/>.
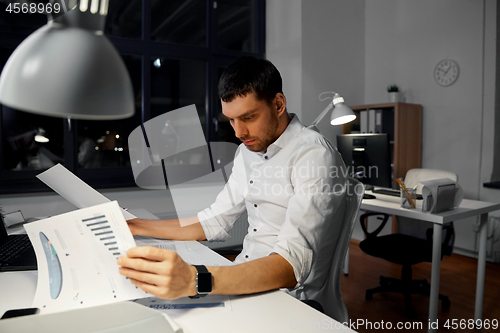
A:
<point x="405" y="133"/>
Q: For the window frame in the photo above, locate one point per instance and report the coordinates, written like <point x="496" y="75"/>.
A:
<point x="25" y="181"/>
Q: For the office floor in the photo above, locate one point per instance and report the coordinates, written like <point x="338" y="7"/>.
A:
<point x="458" y="282"/>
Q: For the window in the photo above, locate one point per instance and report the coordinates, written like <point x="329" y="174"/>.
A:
<point x="174" y="51"/>
<point x="176" y="83"/>
<point x="179" y="21"/>
<point x="234" y="26"/>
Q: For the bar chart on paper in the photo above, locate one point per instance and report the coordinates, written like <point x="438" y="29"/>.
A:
<point x="100" y="227"/>
<point x="77" y="254"/>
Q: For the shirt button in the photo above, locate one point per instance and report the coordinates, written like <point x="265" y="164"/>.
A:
<point x="251" y="182"/>
<point x="246" y="256"/>
<point x="265" y="157"/>
<point x="255" y="230"/>
<point x="255" y="205"/>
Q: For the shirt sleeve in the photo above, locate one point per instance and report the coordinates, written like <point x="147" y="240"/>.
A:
<point x="219" y="218"/>
<point x="318" y="177"/>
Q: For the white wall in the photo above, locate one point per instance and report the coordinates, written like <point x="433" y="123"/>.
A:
<point x="404" y="41"/>
<point x="358" y="48"/>
<point x="318" y="46"/>
<point x="333" y="47"/>
<point x="284" y="47"/>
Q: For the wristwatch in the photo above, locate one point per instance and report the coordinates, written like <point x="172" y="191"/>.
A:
<point x="203" y="282"/>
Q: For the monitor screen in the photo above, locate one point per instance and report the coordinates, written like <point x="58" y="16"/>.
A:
<point x="367" y="157"/>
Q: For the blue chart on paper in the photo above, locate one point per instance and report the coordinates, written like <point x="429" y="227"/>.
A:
<point x="54" y="266"/>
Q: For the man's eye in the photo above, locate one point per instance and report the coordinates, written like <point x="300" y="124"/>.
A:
<point x="248" y="118"/>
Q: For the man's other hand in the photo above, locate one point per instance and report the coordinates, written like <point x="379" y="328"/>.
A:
<point x="160" y="272"/>
<point x="136" y="225"/>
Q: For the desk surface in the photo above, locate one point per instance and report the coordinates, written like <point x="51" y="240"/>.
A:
<point x="468" y="208"/>
<point x="391" y="205"/>
<point x="273" y="311"/>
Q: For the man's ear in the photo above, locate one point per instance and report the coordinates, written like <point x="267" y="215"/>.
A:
<point x="280" y="102"/>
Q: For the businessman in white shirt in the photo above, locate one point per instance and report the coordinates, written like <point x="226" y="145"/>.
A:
<point x="289" y="179"/>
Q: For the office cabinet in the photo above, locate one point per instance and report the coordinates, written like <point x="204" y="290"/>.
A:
<point x="404" y="126"/>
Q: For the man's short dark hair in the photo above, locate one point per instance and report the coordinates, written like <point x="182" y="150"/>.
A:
<point x="247" y="75"/>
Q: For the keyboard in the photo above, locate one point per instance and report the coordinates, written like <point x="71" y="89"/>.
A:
<point x="13" y="249"/>
<point x="387" y="191"/>
<point x="391" y="192"/>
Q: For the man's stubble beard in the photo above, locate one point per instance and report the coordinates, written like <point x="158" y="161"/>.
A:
<point x="270" y="136"/>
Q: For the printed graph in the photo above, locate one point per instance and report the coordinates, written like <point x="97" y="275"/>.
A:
<point x="171" y="247"/>
<point x="100" y="227"/>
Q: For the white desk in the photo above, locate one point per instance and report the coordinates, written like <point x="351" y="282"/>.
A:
<point x="468" y="208"/>
<point x="273" y="311"/>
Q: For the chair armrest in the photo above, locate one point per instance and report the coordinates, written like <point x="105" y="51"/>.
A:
<point x="379" y="228"/>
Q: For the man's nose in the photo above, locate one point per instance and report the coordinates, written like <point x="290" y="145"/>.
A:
<point x="240" y="130"/>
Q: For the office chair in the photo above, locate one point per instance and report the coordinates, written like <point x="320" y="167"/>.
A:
<point x="331" y="297"/>
<point x="411" y="245"/>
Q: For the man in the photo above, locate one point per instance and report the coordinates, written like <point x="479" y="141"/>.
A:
<point x="288" y="178"/>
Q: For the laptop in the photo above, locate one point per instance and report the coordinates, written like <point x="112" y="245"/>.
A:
<point x="16" y="251"/>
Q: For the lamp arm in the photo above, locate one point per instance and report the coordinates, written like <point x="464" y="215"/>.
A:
<point x="328" y="108"/>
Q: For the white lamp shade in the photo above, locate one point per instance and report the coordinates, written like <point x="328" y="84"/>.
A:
<point x="41" y="138"/>
<point x="341" y="114"/>
<point x="67" y="72"/>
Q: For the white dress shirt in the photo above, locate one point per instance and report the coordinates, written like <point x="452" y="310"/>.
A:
<point x="290" y="193"/>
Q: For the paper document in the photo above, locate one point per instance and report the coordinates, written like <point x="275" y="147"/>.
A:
<point x="73" y="189"/>
<point x="191" y="252"/>
<point x="76" y="254"/>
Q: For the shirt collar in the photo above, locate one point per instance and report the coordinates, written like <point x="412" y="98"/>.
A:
<point x="293" y="128"/>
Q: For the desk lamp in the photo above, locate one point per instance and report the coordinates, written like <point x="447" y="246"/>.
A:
<point x="38" y="134"/>
<point x="341" y="113"/>
<point x="41" y="135"/>
<point x="68" y="68"/>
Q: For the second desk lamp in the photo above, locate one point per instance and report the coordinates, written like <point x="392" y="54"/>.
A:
<point x="341" y="113"/>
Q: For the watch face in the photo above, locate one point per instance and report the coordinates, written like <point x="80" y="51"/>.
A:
<point x="446" y="72"/>
<point x="204" y="283"/>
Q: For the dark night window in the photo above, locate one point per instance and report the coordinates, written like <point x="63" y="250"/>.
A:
<point x="174" y="51"/>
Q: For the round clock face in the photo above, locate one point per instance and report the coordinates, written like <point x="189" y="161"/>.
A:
<point x="446" y="72"/>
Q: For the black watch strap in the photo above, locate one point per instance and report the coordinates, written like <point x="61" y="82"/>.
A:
<point x="203" y="282"/>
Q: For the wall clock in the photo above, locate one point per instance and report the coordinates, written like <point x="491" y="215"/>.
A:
<point x="446" y="72"/>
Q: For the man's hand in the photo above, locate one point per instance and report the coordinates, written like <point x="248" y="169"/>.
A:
<point x="137" y="226"/>
<point x="160" y="272"/>
<point x="168" y="229"/>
